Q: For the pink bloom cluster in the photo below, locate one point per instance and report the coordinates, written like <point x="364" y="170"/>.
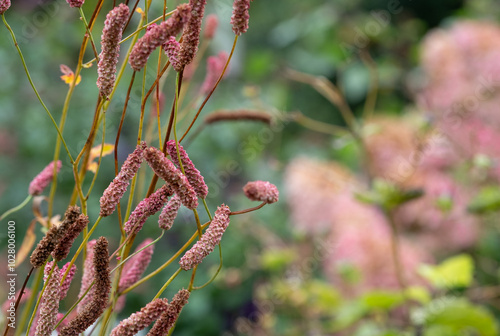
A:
<point x="169" y="213"/>
<point x="42" y="180"/>
<point x="240" y="16"/>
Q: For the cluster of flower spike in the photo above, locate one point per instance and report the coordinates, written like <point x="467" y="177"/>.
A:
<point x="110" y="48"/>
<point x="42" y="180"/>
<point x="172" y="48"/>
<point x="86" y="317"/>
<point x="135" y="267"/>
<point x="165" y="169"/>
<point x="49" y="304"/>
<point x="157" y="35"/>
<point x="140" y="320"/>
<point x="163" y="325"/>
<point x="193" y="175"/>
<point x="208" y="241"/>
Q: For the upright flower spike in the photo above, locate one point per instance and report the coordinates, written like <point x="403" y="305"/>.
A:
<point x="169" y="213"/>
<point x="51" y="239"/>
<point x="110" y="48"/>
<point x="171" y="48"/>
<point x="211" y="26"/>
<point x="140" y="320"/>
<point x="96" y="307"/>
<point x="43" y="179"/>
<point x="262" y="191"/>
<point x="49" y="304"/>
<point x="208" y="241"/>
<point x="63" y="247"/>
<point x="191" y="37"/>
<point x="170" y="316"/>
<point x="135" y="267"/>
<point x="4" y="5"/>
<point x="193" y="175"/>
<point x="87" y="277"/>
<point x="114" y="192"/>
<point x="165" y="169"/>
<point x="75" y="3"/>
<point x="215" y="66"/>
<point x="240" y="16"/>
<point x="158" y="35"/>
<point x="146" y="208"/>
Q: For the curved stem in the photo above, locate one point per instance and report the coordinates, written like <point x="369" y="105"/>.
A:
<point x="213" y="89"/>
<point x="247" y="210"/>
<point x="16" y="208"/>
<point x="216" y="273"/>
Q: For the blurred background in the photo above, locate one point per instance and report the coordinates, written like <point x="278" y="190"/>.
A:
<point x="420" y="78"/>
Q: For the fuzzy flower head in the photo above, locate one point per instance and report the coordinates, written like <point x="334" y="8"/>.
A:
<point x="63" y="247"/>
<point x="67" y="282"/>
<point x="75" y="3"/>
<point x="240" y="16"/>
<point x="48" y="244"/>
<point x="262" y="191"/>
<point x="49" y="304"/>
<point x="171" y="48"/>
<point x="135" y="267"/>
<point x="114" y="192"/>
<point x="140" y="320"/>
<point x="146" y="208"/>
<point x="87" y="277"/>
<point x="208" y="241"/>
<point x="165" y="169"/>
<point x="157" y="35"/>
<point x="193" y="175"/>
<point x="4" y="5"/>
<point x="110" y="48"/>
<point x="43" y="179"/>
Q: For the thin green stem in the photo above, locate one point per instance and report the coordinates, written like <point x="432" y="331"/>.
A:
<point x="162" y="289"/>
<point x="16" y="208"/>
<point x="216" y="273"/>
<point x="87" y="29"/>
<point x="34" y="88"/>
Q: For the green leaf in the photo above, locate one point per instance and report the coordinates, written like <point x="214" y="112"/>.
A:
<point x="387" y="195"/>
<point x="348" y="314"/>
<point x="384" y="300"/>
<point x="487" y="200"/>
<point x="419" y="294"/>
<point x="458" y="316"/>
<point x="275" y="260"/>
<point x="456" y="271"/>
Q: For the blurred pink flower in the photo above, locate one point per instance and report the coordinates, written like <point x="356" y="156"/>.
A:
<point x="362" y="239"/>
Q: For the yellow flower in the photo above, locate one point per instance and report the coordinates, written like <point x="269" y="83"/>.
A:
<point x="68" y="76"/>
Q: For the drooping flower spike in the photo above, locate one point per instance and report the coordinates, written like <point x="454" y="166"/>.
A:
<point x="208" y="241"/>
<point x="42" y="180"/>
<point x="262" y="191"/>
<point x="193" y="175"/>
<point x="165" y="169"/>
<point x="114" y="192"/>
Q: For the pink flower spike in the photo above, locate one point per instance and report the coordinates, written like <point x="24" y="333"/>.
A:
<point x="49" y="304"/>
<point x="146" y="208"/>
<point x="193" y="175"/>
<point x="67" y="282"/>
<point x="75" y="3"/>
<point x="135" y="267"/>
<point x="43" y="179"/>
<point x="169" y="213"/>
<point x="215" y="66"/>
<point x="191" y="38"/>
<point x="165" y="169"/>
<point x="240" y="16"/>
<point x="171" y="48"/>
<point x="114" y="192"/>
<point x="141" y="319"/>
<point x="262" y="191"/>
<point x="211" y="26"/>
<point x="208" y="241"/>
<point x="4" y="5"/>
